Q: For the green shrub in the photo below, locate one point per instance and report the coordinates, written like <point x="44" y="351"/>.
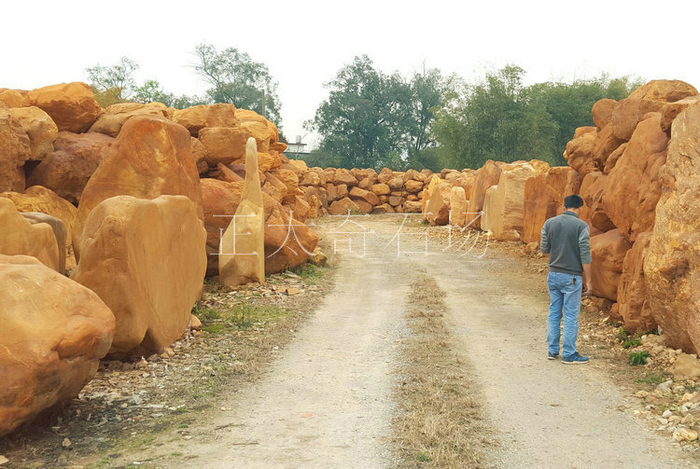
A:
<point x="638" y="358"/>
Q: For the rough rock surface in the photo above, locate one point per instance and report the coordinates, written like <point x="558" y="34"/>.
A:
<point x="18" y="236"/>
<point x="67" y="170"/>
<point x="580" y="151"/>
<point x="151" y="157"/>
<point x="667" y="91"/>
<point x="486" y="176"/>
<point x="14" y="151"/>
<point x="593" y="212"/>
<point x="43" y="200"/>
<point x="458" y="206"/>
<point x="632" y="189"/>
<point x="41" y="130"/>
<point x="543" y="198"/>
<point x="632" y="289"/>
<point x="196" y="118"/>
<point x="146" y="259"/>
<point x="672" y="262"/>
<point x="628" y="113"/>
<point x="437" y="206"/>
<point x="242" y="253"/>
<point x="55" y="332"/>
<point x="111" y="122"/>
<point x="608" y="252"/>
<point x="286" y="246"/>
<point x="72" y="106"/>
<point x="507" y="204"/>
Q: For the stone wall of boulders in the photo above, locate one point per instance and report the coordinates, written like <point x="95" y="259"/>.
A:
<point x="110" y="220"/>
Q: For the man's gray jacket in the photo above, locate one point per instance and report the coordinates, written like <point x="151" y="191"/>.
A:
<point x="566" y="239"/>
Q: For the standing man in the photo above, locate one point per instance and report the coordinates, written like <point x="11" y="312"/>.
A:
<point x="566" y="239"/>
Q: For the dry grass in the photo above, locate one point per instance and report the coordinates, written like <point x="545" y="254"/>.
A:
<point x="440" y="423"/>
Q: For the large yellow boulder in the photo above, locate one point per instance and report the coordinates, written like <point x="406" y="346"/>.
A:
<point x="40" y="128"/>
<point x="146" y="259"/>
<point x="672" y="260"/>
<point x="18" y="236"/>
<point x="54" y="333"/>
<point x="111" y="122"/>
<point x="151" y="157"/>
<point x="15" y="149"/>
<point x="72" y="106"/>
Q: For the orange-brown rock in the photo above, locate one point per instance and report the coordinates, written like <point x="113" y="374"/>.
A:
<point x="343" y="207"/>
<point x="632" y="290"/>
<point x="628" y="113"/>
<point x="602" y="112"/>
<point x="67" y="170"/>
<point x="573" y="183"/>
<point x="146" y="260"/>
<point x="111" y="121"/>
<point x="72" y="106"/>
<point x="608" y="252"/>
<point x="605" y="144"/>
<point x="486" y="176"/>
<point x="312" y="178"/>
<point x="381" y="189"/>
<point x="226" y="174"/>
<point x="43" y="200"/>
<point x="223" y="144"/>
<point x="369" y="197"/>
<point x="40" y="129"/>
<point x="285" y="246"/>
<point x="364" y="206"/>
<point x="488" y="210"/>
<point x="632" y="188"/>
<point x="667" y="91"/>
<point x="195" y="118"/>
<point x="413" y="186"/>
<point x="383" y="208"/>
<point x="385" y="175"/>
<point x="671" y="110"/>
<point x="14" y="151"/>
<point x="458" y="206"/>
<point x="263" y="131"/>
<point x="507" y="205"/>
<point x="20" y="237"/>
<point x="580" y="152"/>
<point x="543" y="197"/>
<point x="343" y="176"/>
<point x="672" y="261"/>
<point x="299" y="207"/>
<point x="151" y="157"/>
<point x="396" y="183"/>
<point x="614" y="156"/>
<point x="15" y="98"/>
<point x="437" y="206"/>
<point x="55" y="332"/>
<point x="199" y="153"/>
<point x="412" y="206"/>
<point x="242" y="247"/>
<point x="593" y="212"/>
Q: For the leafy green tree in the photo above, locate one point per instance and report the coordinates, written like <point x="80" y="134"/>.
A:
<point x="119" y="77"/>
<point x="363" y="122"/>
<point x="236" y="78"/>
<point x="151" y="91"/>
<point x="504" y="120"/>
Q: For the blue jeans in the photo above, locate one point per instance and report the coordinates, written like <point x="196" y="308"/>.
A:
<point x="564" y="294"/>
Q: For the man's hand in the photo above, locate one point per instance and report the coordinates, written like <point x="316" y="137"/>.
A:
<point x="587" y="289"/>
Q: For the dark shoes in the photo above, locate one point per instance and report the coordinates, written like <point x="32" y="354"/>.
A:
<point x="552" y="356"/>
<point x="575" y="359"/>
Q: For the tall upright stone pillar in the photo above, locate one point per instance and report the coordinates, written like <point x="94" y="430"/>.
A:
<point x="242" y="247"/>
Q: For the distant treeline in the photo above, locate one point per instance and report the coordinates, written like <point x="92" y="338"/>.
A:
<point x="372" y="119"/>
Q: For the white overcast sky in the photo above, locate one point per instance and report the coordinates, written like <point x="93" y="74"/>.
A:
<point x="304" y="43"/>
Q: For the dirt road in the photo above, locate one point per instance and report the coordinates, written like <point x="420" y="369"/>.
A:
<point x="327" y="402"/>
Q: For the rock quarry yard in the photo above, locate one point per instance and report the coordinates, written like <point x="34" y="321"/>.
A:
<point x="176" y="292"/>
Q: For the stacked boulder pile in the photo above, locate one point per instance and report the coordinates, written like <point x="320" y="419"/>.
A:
<point x="637" y="171"/>
<point x="110" y="220"/>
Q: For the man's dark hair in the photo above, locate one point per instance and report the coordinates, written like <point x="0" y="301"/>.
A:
<point x="573" y="201"/>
